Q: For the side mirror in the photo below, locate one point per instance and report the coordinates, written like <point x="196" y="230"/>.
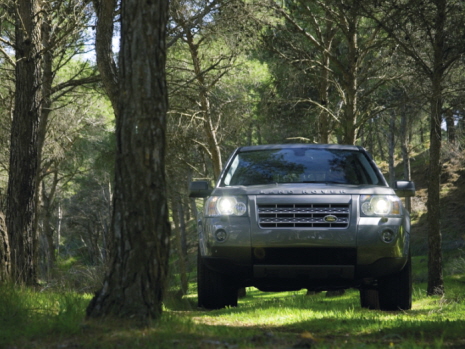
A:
<point x="199" y="189"/>
<point x="404" y="188"/>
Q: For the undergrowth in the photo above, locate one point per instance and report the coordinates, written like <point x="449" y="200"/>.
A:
<point x="27" y="313"/>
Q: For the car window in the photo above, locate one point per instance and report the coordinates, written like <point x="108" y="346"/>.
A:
<point x="300" y="165"/>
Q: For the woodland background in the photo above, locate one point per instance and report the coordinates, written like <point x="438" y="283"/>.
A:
<point x="387" y="75"/>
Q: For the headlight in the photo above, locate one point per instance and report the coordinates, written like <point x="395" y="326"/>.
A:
<point x="226" y="206"/>
<point x="380" y="205"/>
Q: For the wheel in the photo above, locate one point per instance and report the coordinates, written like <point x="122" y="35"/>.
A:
<point x="395" y="291"/>
<point x="214" y="290"/>
<point x="369" y="298"/>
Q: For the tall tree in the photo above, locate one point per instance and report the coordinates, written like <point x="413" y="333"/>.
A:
<point x="431" y="34"/>
<point x="213" y="35"/>
<point x="24" y="154"/>
<point x="62" y="38"/>
<point x="134" y="285"/>
<point x="350" y="55"/>
<point x="6" y="113"/>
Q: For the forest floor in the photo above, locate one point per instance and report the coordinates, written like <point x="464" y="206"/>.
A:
<point x="286" y="320"/>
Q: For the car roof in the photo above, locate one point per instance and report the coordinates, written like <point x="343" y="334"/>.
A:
<point x="297" y="145"/>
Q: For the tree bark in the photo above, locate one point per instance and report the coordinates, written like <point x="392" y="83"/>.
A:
<point x="46" y="217"/>
<point x="135" y="284"/>
<point x="324" y="119"/>
<point x="4" y="251"/>
<point x="404" y="145"/>
<point x="105" y="10"/>
<point x="435" y="276"/>
<point x="177" y="218"/>
<point x="379" y="139"/>
<point x="22" y="182"/>
<point x="350" y="115"/>
<point x="450" y="123"/>
<point x="392" y="145"/>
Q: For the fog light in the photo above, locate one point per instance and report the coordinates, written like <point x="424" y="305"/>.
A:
<point x="221" y="235"/>
<point x="387" y="236"/>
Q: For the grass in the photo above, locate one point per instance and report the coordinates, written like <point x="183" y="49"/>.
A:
<point x="28" y="314"/>
<point x="51" y="319"/>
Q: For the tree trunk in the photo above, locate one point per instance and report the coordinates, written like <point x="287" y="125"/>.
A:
<point x="47" y="81"/>
<point x="404" y="141"/>
<point x="370" y="137"/>
<point x="349" y="123"/>
<point x="213" y="150"/>
<point x="22" y="183"/>
<point x="4" y="251"/>
<point x="179" y="245"/>
<point x="60" y="218"/>
<point x="135" y="284"/>
<point x="392" y="144"/>
<point x="435" y="277"/>
<point x="191" y="202"/>
<point x="422" y="134"/>
<point x="451" y="133"/>
<point x="324" y="118"/>
<point x="46" y="217"/>
<point x="379" y="135"/>
<point x="43" y="209"/>
<point x="105" y="10"/>
<point x="182" y="226"/>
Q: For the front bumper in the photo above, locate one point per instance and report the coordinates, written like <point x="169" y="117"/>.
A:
<point x="300" y="275"/>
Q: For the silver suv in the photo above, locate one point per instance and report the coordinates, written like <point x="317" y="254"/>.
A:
<point x="297" y="216"/>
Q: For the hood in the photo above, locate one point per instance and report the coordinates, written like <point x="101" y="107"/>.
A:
<point x="304" y="189"/>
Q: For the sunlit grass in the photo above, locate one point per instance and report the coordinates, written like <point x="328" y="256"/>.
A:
<point x="341" y="321"/>
<point x="34" y="319"/>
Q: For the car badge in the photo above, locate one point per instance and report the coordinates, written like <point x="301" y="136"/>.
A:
<point x="330" y="219"/>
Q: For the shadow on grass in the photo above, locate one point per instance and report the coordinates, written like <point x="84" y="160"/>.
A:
<point x="337" y="322"/>
<point x="262" y="320"/>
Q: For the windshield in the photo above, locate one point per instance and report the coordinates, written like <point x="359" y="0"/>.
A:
<point x="300" y="165"/>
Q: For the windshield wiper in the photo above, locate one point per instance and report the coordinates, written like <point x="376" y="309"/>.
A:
<point x="324" y="182"/>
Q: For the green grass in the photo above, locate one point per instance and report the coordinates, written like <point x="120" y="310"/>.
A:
<point x="28" y="314"/>
<point x="32" y="319"/>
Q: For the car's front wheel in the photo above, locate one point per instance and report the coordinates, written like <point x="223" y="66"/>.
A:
<point x="214" y="290"/>
<point x="395" y="291"/>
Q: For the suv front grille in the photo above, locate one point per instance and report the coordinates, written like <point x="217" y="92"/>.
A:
<point x="303" y="215"/>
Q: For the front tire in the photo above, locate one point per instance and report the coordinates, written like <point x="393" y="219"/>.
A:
<point x="395" y="291"/>
<point x="214" y="290"/>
